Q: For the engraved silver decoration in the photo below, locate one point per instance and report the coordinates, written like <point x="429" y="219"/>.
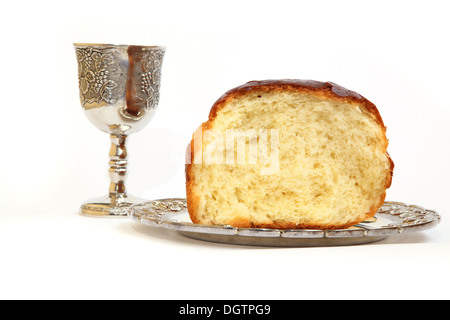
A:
<point x="119" y="92"/>
<point x="393" y="218"/>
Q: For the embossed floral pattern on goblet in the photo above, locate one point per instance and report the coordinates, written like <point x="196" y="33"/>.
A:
<point x="99" y="75"/>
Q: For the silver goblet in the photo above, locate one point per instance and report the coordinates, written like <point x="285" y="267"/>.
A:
<point x="119" y="92"/>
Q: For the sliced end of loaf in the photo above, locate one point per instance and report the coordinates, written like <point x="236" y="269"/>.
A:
<point x="325" y="165"/>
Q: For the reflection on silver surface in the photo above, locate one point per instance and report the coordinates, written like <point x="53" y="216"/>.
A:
<point x="392" y="218"/>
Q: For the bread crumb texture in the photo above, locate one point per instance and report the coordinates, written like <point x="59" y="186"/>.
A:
<point x="329" y="159"/>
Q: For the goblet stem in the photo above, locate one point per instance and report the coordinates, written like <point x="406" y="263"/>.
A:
<point x="116" y="202"/>
<point x="118" y="161"/>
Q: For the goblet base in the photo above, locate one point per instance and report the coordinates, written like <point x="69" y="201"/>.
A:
<point x="106" y="206"/>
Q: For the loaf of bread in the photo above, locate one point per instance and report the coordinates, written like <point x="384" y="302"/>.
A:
<point x="288" y="154"/>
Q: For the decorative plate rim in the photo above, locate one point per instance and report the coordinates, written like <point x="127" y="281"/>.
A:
<point x="400" y="218"/>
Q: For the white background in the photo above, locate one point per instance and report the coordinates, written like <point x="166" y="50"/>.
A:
<point x="395" y="53"/>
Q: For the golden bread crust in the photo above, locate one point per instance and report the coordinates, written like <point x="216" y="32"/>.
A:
<point x="327" y="90"/>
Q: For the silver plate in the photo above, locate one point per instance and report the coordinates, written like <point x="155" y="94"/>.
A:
<point x="392" y="218"/>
